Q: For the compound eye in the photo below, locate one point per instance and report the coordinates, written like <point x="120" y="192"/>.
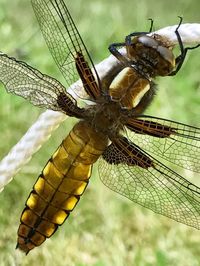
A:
<point x="166" y="54"/>
<point x="148" y="41"/>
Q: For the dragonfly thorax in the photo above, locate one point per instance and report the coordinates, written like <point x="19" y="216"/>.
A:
<point x="106" y="117"/>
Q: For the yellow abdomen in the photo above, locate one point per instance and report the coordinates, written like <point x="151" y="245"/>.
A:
<point x="60" y="185"/>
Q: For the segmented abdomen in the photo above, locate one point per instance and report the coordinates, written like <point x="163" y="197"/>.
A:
<point x="60" y="185"/>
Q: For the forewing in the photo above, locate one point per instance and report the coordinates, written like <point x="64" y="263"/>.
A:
<point x="27" y="82"/>
<point x="66" y="45"/>
<point x="174" y="142"/>
<point x="155" y="187"/>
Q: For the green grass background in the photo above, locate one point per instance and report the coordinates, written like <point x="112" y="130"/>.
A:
<point x="105" y="229"/>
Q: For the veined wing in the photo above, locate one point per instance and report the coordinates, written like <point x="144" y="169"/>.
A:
<point x="66" y="44"/>
<point x="131" y="172"/>
<point x="175" y="142"/>
<point x="40" y="89"/>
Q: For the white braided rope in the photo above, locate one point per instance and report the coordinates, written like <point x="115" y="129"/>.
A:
<point x="41" y="130"/>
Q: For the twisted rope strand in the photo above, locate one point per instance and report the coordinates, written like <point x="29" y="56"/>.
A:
<point x="30" y="143"/>
<point x="42" y="129"/>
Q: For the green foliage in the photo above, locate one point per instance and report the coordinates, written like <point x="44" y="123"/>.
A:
<point x="104" y="229"/>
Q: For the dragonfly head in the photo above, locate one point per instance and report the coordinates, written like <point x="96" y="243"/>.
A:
<point x="154" y="53"/>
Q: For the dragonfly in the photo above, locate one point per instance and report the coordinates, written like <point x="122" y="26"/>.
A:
<point x="133" y="150"/>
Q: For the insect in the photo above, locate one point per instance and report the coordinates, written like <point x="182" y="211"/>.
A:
<point x="129" y="145"/>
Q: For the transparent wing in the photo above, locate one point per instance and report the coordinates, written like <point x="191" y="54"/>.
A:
<point x="41" y="90"/>
<point x="144" y="180"/>
<point x="175" y="142"/>
<point x="66" y="45"/>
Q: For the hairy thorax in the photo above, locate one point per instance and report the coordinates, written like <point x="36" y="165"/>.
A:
<point x="106" y="117"/>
